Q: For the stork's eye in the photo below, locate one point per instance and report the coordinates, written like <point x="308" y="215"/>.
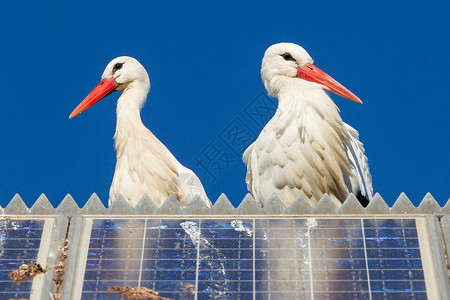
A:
<point x="287" y="57"/>
<point x="117" y="66"/>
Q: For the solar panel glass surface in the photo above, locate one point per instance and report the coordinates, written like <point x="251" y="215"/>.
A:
<point x="20" y="241"/>
<point x="255" y="258"/>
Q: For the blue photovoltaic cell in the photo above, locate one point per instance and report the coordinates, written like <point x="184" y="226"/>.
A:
<point x="20" y="240"/>
<point x="286" y="258"/>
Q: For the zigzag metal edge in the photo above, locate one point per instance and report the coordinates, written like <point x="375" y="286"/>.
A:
<point x="223" y="206"/>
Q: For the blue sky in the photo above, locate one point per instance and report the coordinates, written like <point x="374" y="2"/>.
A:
<point x="203" y="60"/>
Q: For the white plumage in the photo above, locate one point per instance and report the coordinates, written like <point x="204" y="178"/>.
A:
<point x="144" y="165"/>
<point x="305" y="148"/>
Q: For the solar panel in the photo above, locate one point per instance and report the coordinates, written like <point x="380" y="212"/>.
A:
<point x="257" y="257"/>
<point x="21" y="241"/>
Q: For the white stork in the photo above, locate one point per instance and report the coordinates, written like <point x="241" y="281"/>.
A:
<point x="305" y="148"/>
<point x="144" y="165"/>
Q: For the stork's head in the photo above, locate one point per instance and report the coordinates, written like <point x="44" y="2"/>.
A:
<point x="121" y="73"/>
<point x="286" y="64"/>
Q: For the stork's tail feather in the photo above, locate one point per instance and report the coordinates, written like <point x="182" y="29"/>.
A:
<point x="362" y="199"/>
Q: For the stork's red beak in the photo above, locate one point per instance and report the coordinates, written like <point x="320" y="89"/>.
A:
<point x="312" y="73"/>
<point x="103" y="89"/>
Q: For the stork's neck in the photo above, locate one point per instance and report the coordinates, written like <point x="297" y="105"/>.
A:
<point x="307" y="106"/>
<point x="129" y="112"/>
<point x="296" y="96"/>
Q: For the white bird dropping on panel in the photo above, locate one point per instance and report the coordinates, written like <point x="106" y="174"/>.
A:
<point x="144" y="165"/>
<point x="305" y="148"/>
